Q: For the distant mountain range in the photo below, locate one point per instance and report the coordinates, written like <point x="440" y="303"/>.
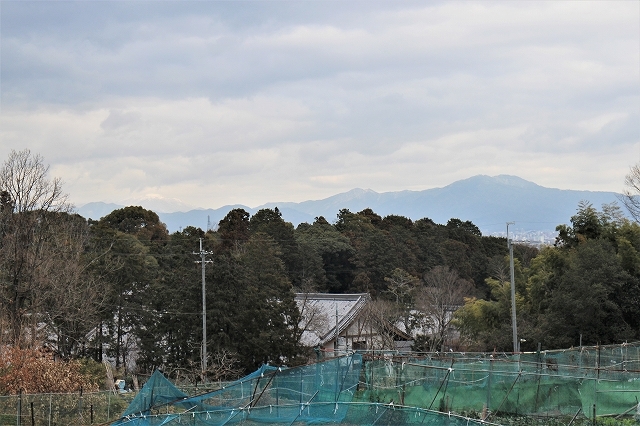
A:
<point x="489" y="202"/>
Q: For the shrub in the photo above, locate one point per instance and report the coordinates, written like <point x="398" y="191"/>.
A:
<point x="36" y="371"/>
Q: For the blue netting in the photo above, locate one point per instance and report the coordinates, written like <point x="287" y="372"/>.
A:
<point x="408" y="389"/>
<point x="310" y="394"/>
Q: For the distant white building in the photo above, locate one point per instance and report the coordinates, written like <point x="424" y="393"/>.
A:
<point x="339" y="323"/>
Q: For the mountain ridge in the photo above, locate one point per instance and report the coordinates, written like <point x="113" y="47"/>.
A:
<point x="489" y="202"/>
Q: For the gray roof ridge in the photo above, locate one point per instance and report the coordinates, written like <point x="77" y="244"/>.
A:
<point x="345" y="321"/>
<point x="332" y="296"/>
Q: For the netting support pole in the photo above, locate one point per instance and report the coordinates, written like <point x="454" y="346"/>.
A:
<point x="383" y="412"/>
<point x="372" y="369"/>
<point x="595" y="385"/>
<point x="635" y="407"/>
<point x="506" y="396"/>
<point x="255" y="389"/>
<point x="489" y="384"/>
<point x="445" y="380"/>
<point x="575" y="416"/>
<point x="302" y="405"/>
<point x="344" y="376"/>
<point x="255" y="401"/>
<point x="539" y="373"/>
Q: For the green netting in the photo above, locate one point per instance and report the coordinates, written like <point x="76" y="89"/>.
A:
<point x="345" y="413"/>
<point x="313" y="393"/>
<point x="553" y="383"/>
<point x="384" y="388"/>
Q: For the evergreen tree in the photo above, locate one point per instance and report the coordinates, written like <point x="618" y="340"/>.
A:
<point x="270" y="222"/>
<point x="325" y="257"/>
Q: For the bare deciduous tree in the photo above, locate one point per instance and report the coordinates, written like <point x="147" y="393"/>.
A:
<point x="444" y="292"/>
<point x="29" y="204"/>
<point x="312" y="318"/>
<point x="404" y="288"/>
<point x="498" y="268"/>
<point x="71" y="295"/>
<point x="223" y="365"/>
<point x="377" y="325"/>
<point x="401" y="285"/>
<point x="631" y="194"/>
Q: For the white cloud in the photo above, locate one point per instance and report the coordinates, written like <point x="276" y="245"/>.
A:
<point x="217" y="103"/>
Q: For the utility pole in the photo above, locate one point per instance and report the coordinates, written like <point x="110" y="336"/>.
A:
<point x="203" y="351"/>
<point x="335" y="353"/>
<point x="516" y="342"/>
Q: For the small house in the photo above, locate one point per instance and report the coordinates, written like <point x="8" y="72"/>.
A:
<point x="335" y="324"/>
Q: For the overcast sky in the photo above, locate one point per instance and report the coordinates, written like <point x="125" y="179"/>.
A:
<point x="249" y="102"/>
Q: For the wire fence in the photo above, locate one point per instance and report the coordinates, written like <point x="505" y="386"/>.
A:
<point x="62" y="409"/>
<point x="86" y="408"/>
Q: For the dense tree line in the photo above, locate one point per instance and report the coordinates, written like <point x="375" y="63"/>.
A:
<point x="125" y="287"/>
<point x="583" y="290"/>
<point x="257" y="263"/>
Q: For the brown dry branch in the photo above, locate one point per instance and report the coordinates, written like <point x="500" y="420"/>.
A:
<point x="36" y="371"/>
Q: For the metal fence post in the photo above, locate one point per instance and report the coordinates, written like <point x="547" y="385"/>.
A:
<point x="18" y="417"/>
<point x="80" y="405"/>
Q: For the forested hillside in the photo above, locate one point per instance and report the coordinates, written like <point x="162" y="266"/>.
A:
<point x="124" y="287"/>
